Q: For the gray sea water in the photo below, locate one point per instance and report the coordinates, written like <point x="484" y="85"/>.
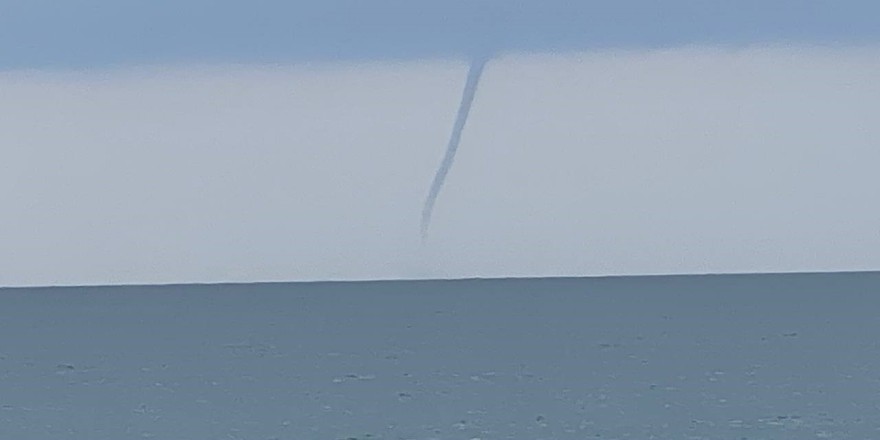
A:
<point x="679" y="357"/>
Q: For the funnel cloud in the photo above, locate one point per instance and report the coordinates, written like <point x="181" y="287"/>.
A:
<point x="467" y="100"/>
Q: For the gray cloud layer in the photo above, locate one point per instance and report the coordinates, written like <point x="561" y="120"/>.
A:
<point x="680" y="161"/>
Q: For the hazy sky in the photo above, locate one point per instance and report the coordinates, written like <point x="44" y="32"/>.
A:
<point x="751" y="150"/>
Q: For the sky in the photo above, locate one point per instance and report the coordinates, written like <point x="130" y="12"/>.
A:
<point x="169" y="142"/>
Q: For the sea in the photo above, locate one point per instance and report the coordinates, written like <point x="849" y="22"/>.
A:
<point x="773" y="356"/>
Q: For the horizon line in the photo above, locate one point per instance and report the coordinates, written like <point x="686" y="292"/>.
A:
<point x="439" y="280"/>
